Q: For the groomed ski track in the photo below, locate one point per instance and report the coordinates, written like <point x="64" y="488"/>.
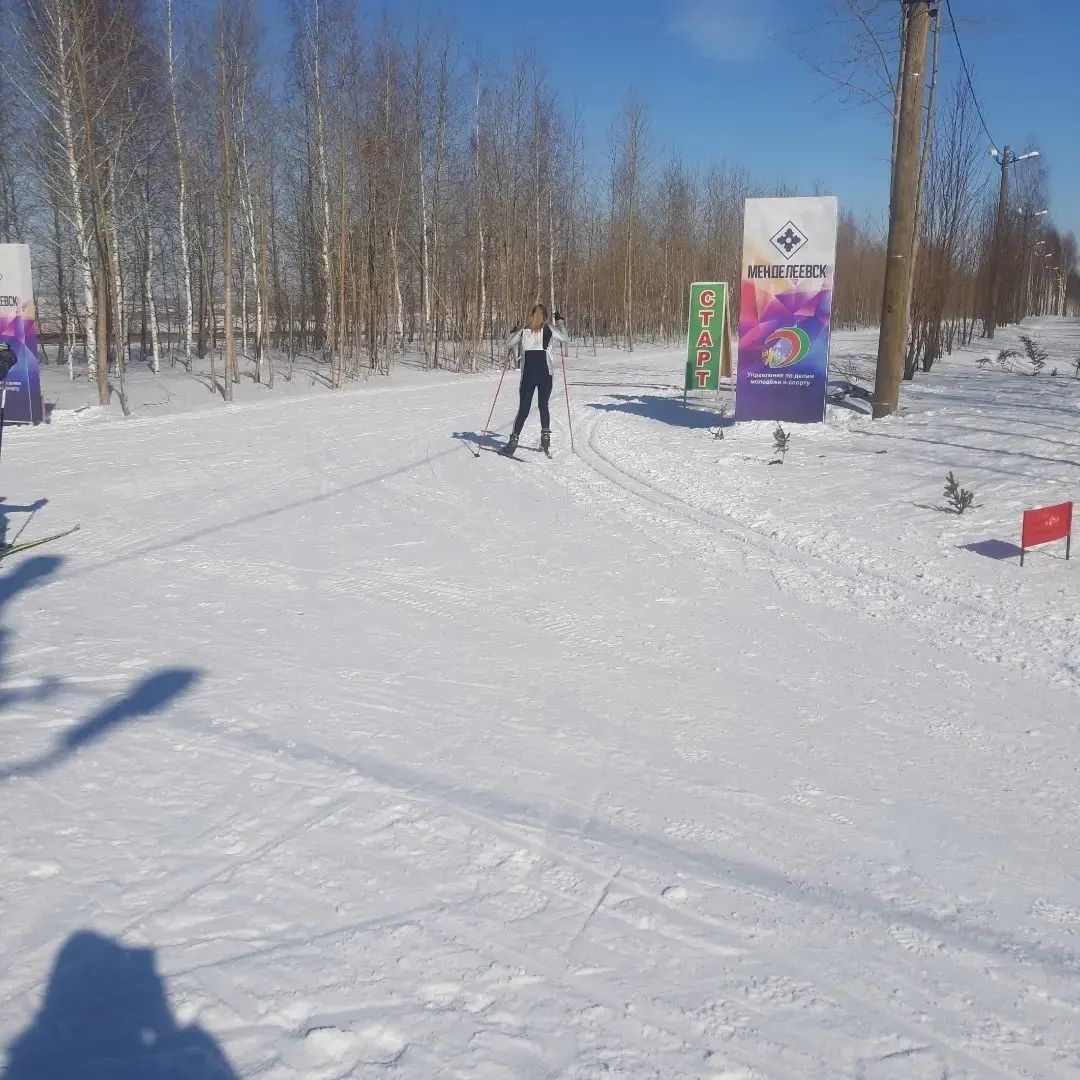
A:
<point x="411" y="763"/>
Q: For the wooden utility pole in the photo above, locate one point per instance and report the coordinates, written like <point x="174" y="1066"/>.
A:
<point x="905" y="182"/>
<point x="990" y="318"/>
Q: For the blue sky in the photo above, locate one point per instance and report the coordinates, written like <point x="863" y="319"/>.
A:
<point x="717" y="74"/>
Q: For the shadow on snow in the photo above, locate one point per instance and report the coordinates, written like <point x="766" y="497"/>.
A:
<point x="105" y="1016"/>
<point x="665" y="410"/>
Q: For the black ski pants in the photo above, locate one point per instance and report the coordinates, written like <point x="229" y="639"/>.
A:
<point x="535" y="378"/>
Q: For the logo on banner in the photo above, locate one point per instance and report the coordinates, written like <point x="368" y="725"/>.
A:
<point x="789" y="240"/>
<point x="785" y="347"/>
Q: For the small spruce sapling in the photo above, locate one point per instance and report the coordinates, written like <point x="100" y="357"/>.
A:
<point x="1036" y="354"/>
<point x="960" y="499"/>
<point x="781" y="443"/>
<point x="722" y="410"/>
<point x="1076" y="368"/>
<point x="1003" y="358"/>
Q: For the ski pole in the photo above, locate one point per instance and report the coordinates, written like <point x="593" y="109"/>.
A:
<point x="502" y="375"/>
<point x="566" y="390"/>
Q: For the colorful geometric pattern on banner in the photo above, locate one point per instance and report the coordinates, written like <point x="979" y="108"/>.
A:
<point x="789" y="257"/>
<point x="18" y="328"/>
<point x="705" y="335"/>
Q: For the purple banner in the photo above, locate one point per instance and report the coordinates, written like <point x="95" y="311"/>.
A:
<point x="18" y="329"/>
<point x="785" y="310"/>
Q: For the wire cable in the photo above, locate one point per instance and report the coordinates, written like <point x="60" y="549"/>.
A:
<point x="967" y="73"/>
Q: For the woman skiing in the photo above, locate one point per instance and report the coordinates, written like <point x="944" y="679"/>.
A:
<point x="537" y="371"/>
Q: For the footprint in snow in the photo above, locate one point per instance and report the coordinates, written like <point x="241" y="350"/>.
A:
<point x="374" y="1044"/>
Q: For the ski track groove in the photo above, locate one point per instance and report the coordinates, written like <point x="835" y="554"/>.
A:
<point x="1014" y="650"/>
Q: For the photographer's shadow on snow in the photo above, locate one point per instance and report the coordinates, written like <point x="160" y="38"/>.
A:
<point x="105" y="1016"/>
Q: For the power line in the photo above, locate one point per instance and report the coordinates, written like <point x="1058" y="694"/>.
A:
<point x="967" y="73"/>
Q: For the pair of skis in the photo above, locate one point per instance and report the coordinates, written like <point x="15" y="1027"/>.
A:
<point x="26" y="545"/>
<point x="504" y="452"/>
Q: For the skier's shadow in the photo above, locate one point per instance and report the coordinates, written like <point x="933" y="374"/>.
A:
<point x="473" y="439"/>
<point x="105" y="1016"/>
<point x="150" y="695"/>
<point x="144" y="698"/>
<point x="6" y="511"/>
<point x="25" y="575"/>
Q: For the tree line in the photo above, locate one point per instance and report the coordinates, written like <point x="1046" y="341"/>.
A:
<point x="188" y="196"/>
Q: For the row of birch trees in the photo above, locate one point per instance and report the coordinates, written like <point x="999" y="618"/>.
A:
<point x="196" y="192"/>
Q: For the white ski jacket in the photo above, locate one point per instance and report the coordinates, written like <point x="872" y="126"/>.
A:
<point x="533" y="341"/>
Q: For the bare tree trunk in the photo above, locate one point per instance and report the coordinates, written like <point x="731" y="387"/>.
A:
<point x="78" y="216"/>
<point x="323" y="178"/>
<point x="422" y="214"/>
<point x="204" y="290"/>
<point x="242" y="269"/>
<point x="247" y="206"/>
<point x="629" y="273"/>
<point x="252" y="222"/>
<point x="551" y="248"/>
<point x="442" y="108"/>
<point x="120" y="326"/>
<point x="226" y="206"/>
<point x="264" y="301"/>
<point x="61" y="285"/>
<point x="337" y="377"/>
<point x="181" y="175"/>
<point x="102" y="330"/>
<point x="481" y="252"/>
<point x="155" y="343"/>
<point x="399" y="302"/>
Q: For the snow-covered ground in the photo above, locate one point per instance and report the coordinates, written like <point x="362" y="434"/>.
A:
<point x="330" y="750"/>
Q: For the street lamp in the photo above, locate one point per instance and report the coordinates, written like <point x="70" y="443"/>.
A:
<point x="1030" y="287"/>
<point x="1004" y="160"/>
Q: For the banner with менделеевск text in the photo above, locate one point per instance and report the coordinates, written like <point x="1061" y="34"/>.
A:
<point x="785" y="312"/>
<point x="18" y="330"/>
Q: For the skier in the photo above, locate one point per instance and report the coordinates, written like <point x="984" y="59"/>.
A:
<point x="537" y="371"/>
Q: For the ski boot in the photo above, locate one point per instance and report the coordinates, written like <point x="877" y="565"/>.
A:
<point x="511" y="446"/>
<point x="545" y="441"/>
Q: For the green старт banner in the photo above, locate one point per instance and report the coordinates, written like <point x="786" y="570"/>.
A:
<point x="705" y="335"/>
